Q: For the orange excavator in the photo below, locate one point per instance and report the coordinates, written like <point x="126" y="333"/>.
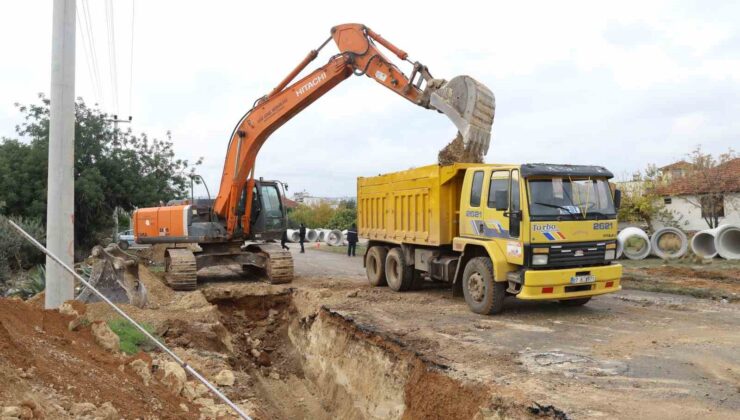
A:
<point x="247" y="214"/>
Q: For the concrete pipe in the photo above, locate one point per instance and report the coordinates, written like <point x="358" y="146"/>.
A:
<point x="669" y="243"/>
<point x="334" y="238"/>
<point x="294" y="235"/>
<point x="702" y="244"/>
<point x="321" y="235"/>
<point x="633" y="243"/>
<point x="311" y="235"/>
<point x="727" y="241"/>
<point x="344" y="237"/>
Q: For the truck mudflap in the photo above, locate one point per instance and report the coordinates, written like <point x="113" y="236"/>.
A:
<point x="571" y="282"/>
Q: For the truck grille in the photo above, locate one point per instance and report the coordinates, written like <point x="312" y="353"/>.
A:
<point x="577" y="254"/>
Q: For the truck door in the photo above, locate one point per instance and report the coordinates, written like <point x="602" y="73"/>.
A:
<point x="495" y="213"/>
<point x="502" y="213"/>
<point x="471" y="204"/>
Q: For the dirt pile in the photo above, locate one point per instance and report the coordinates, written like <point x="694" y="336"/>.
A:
<point x="50" y="371"/>
<point x="455" y="152"/>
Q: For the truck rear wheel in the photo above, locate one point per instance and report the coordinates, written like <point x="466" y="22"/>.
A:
<point x="375" y="265"/>
<point x="400" y="276"/>
<point x="482" y="294"/>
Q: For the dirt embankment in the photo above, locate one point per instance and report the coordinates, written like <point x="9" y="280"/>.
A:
<point x="58" y="373"/>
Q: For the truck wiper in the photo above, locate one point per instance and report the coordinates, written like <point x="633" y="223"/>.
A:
<point x="555" y="206"/>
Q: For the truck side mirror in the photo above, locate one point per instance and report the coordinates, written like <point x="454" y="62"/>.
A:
<point x="502" y="200"/>
<point x="617" y="199"/>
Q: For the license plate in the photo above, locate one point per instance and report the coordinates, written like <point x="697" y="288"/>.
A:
<point x="582" y="279"/>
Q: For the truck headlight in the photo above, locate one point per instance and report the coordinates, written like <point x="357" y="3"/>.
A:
<point x="539" y="259"/>
<point x="609" y="254"/>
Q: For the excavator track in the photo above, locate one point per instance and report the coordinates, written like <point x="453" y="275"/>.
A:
<point x="278" y="263"/>
<point x="180" y="269"/>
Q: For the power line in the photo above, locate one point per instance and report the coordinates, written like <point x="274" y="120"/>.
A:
<point x="112" y="52"/>
<point x="88" y="60"/>
<point x="93" y="49"/>
<point x="131" y="70"/>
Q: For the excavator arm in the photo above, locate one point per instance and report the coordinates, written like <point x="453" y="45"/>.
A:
<point x="467" y="103"/>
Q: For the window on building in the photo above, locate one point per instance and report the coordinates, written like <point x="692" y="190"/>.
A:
<point x="667" y="200"/>
<point x="712" y="205"/>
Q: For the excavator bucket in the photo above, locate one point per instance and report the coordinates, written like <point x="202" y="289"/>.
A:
<point x="116" y="275"/>
<point x="471" y="107"/>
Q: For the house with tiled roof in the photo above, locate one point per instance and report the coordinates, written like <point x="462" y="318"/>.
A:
<point x="696" y="196"/>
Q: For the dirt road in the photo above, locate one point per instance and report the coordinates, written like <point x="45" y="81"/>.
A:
<point x="632" y="354"/>
<point x="330" y="346"/>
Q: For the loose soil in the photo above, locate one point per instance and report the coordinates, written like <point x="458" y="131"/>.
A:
<point x="455" y="152"/>
<point x="681" y="278"/>
<point x="46" y="366"/>
<point x="330" y="346"/>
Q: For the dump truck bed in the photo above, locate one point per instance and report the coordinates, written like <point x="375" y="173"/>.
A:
<point x="416" y="206"/>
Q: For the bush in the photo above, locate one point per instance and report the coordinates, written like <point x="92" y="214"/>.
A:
<point x="28" y="284"/>
<point x="16" y="253"/>
<point x="132" y="340"/>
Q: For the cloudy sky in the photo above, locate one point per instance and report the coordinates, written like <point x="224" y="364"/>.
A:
<point x="621" y="84"/>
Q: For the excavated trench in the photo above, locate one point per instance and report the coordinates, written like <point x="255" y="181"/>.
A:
<point x="298" y="361"/>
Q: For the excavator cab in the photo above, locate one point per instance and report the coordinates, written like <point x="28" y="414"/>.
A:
<point x="269" y="217"/>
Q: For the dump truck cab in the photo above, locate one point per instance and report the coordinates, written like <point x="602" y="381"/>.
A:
<point x="530" y="231"/>
<point x="550" y="230"/>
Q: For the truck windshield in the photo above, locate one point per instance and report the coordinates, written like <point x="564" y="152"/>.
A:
<point x="571" y="198"/>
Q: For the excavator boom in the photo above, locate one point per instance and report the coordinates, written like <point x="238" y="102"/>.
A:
<point x="469" y="104"/>
<point x="248" y="209"/>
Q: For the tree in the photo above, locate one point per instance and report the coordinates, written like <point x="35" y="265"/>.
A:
<point x="345" y="215"/>
<point x="316" y="216"/>
<point x="640" y="201"/>
<point x="114" y="169"/>
<point x="708" y="180"/>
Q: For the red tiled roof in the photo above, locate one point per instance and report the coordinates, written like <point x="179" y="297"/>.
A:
<point x="287" y="202"/>
<point x="681" y="164"/>
<point x="722" y="178"/>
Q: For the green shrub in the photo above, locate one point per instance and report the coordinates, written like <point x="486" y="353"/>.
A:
<point x="16" y="253"/>
<point x="27" y="284"/>
<point x="132" y="340"/>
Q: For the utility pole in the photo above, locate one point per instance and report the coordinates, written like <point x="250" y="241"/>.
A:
<point x="115" y="122"/>
<point x="60" y="208"/>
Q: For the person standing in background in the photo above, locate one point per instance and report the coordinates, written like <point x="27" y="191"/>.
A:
<point x="302" y="236"/>
<point x="352" y="240"/>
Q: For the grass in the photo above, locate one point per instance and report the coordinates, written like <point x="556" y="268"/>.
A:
<point x="715" y="264"/>
<point x="132" y="340"/>
<point x="338" y="249"/>
<point x="719" y="272"/>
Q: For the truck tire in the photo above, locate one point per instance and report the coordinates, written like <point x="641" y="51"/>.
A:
<point x="400" y="277"/>
<point x="575" y="302"/>
<point x="482" y="294"/>
<point x="375" y="265"/>
<point x="123" y="245"/>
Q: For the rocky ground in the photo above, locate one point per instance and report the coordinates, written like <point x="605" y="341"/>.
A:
<point x="330" y="346"/>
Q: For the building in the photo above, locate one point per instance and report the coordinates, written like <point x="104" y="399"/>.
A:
<point x="695" y="196"/>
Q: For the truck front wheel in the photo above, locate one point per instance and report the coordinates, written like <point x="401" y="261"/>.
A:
<point x="482" y="294"/>
<point x="375" y="265"/>
<point x="399" y="275"/>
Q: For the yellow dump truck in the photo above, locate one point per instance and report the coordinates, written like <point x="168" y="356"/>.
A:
<point x="531" y="231"/>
